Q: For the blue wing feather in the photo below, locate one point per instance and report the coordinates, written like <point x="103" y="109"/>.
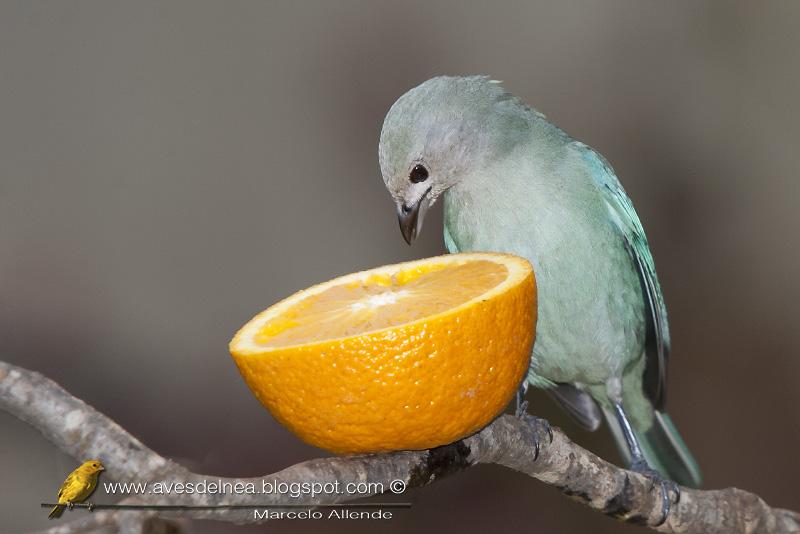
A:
<point x="620" y="208"/>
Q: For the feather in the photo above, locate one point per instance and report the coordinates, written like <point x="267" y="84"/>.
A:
<point x="624" y="217"/>
<point x="578" y="404"/>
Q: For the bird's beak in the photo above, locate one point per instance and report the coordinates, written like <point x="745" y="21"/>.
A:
<point x="102" y="468"/>
<point x="410" y="216"/>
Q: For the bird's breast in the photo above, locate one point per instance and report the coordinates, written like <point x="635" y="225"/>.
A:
<point x="590" y="307"/>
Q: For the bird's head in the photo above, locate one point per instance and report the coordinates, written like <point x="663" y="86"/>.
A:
<point x="437" y="135"/>
<point x="91" y="466"/>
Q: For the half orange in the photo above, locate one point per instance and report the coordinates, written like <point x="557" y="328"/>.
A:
<point x="406" y="356"/>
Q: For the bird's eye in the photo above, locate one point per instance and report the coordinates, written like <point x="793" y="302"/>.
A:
<point x="418" y="174"/>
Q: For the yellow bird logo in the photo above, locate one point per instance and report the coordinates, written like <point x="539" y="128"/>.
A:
<point x="78" y="486"/>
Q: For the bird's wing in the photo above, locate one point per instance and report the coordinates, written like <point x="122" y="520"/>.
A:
<point x="626" y="220"/>
<point x="67" y="487"/>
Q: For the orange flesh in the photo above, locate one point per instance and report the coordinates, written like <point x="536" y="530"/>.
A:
<point x="381" y="301"/>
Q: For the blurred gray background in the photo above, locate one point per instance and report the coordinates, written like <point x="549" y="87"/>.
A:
<point x="169" y="169"/>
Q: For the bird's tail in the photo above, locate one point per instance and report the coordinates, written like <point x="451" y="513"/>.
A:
<point x="55" y="512"/>
<point x="663" y="449"/>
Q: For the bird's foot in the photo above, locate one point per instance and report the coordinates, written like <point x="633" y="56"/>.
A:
<point x="90" y="506"/>
<point x="667" y="486"/>
<point x="537" y="427"/>
<point x="70" y="505"/>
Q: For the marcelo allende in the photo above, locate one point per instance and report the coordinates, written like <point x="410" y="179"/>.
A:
<point x="309" y="513"/>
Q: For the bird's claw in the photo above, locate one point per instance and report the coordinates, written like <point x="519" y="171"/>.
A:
<point x="667" y="487"/>
<point x="90" y="506"/>
<point x="537" y="425"/>
<point x="70" y="505"/>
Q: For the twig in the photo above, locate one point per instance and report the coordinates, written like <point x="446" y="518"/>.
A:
<point x="127" y="522"/>
<point x="83" y="432"/>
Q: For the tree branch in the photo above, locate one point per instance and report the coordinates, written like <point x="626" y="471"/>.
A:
<point x="84" y="433"/>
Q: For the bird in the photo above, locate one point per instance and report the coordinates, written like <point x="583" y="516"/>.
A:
<point x="513" y="182"/>
<point x="78" y="486"/>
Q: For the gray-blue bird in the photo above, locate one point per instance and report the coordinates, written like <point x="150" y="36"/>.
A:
<point x="513" y="182"/>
